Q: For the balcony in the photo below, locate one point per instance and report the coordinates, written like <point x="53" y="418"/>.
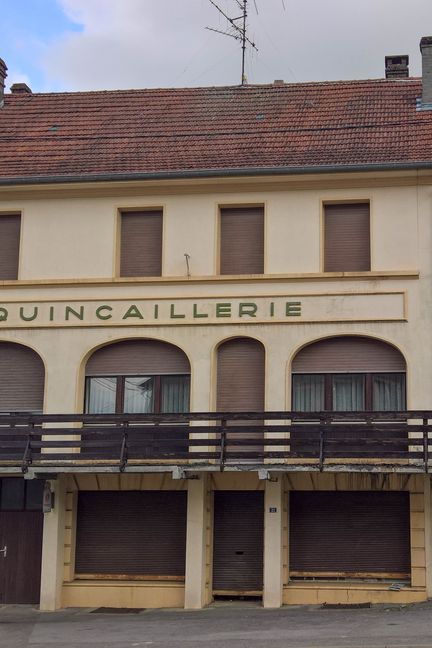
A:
<point x="278" y="441"/>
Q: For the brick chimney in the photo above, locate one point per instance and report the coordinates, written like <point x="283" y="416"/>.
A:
<point x="396" y="67"/>
<point x="426" y="52"/>
<point x="3" y="75"/>
<point x="20" y="88"/>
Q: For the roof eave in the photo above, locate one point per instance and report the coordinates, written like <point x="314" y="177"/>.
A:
<point x="215" y="173"/>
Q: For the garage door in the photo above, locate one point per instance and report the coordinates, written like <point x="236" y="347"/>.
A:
<point x="238" y="541"/>
<point x="349" y="534"/>
<point x="131" y="533"/>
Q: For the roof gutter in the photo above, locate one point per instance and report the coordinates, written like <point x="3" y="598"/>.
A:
<point x="216" y="173"/>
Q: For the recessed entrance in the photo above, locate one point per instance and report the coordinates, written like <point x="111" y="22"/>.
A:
<point x="238" y="543"/>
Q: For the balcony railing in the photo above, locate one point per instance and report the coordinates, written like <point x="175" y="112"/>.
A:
<point x="336" y="441"/>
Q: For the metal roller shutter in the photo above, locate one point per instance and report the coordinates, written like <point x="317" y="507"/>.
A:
<point x="137" y="357"/>
<point x="242" y="240"/>
<point x="348" y="354"/>
<point x="351" y="533"/>
<point x="238" y="541"/>
<point x="141" y="244"/>
<point x="346" y="237"/>
<point x="22" y="388"/>
<point x="131" y="533"/>
<point x="240" y="376"/>
<point x="10" y="228"/>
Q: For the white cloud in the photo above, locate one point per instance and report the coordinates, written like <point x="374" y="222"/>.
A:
<point x="16" y="76"/>
<point x="144" y="43"/>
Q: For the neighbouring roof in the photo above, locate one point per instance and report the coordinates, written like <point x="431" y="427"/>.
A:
<point x="310" y="126"/>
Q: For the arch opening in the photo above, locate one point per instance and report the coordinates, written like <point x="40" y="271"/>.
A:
<point x="349" y="374"/>
<point x="23" y="379"/>
<point x="137" y="377"/>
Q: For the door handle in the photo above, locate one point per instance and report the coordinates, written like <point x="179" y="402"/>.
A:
<point x="4" y="551"/>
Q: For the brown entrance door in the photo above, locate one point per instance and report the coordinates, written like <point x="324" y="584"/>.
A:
<point x="21" y="527"/>
<point x="238" y="542"/>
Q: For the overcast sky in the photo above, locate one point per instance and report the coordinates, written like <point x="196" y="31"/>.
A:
<point x="101" y="44"/>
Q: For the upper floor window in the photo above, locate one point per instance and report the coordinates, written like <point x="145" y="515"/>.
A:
<point x="10" y="227"/>
<point x="137" y="377"/>
<point x="241" y="240"/>
<point x="348" y="374"/>
<point x="347" y="237"/>
<point x="141" y="244"/>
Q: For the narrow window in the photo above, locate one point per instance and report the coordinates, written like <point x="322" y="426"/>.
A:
<point x="242" y="240"/>
<point x="347" y="237"/>
<point x="141" y="244"/>
<point x="10" y="227"/>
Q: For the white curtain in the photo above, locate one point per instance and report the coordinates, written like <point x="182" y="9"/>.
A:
<point x="139" y="395"/>
<point x="101" y="395"/>
<point x="175" y="394"/>
<point x="308" y="392"/>
<point x="388" y="392"/>
<point x="348" y="393"/>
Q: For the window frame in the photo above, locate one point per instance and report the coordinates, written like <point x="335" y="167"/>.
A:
<point x="368" y="387"/>
<point x="330" y="203"/>
<point x="239" y="207"/>
<point x="18" y="215"/>
<point x="124" y="211"/>
<point x="120" y="390"/>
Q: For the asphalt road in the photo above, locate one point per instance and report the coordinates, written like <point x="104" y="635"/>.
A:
<point x="223" y="626"/>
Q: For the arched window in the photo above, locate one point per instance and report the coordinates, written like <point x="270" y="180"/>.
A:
<point x="348" y="374"/>
<point x="240" y="376"/>
<point x="23" y="379"/>
<point x="137" y="377"/>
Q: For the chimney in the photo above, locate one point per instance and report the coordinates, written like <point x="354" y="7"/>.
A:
<point x="426" y="52"/>
<point x="396" y="67"/>
<point x="20" y="88"/>
<point x="3" y="75"/>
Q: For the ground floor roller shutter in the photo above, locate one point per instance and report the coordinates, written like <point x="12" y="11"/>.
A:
<point x="238" y="541"/>
<point x="140" y="533"/>
<point x="349" y="533"/>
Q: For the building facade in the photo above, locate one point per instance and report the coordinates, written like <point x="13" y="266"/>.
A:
<point x="215" y="343"/>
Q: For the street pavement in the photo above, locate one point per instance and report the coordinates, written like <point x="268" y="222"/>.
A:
<point x="236" y="625"/>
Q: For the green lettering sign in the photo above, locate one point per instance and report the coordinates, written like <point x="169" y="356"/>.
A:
<point x="132" y="311"/>
<point x="293" y="309"/>
<point x="195" y="312"/>
<point x="28" y="318"/>
<point x="71" y="311"/>
<point x="248" y="308"/>
<point x="174" y="315"/>
<point x="3" y="314"/>
<point x="103" y="308"/>
<point x="223" y="309"/>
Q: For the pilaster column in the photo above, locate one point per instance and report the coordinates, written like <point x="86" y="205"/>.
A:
<point x="196" y="596"/>
<point x="273" y="543"/>
<point x="53" y="548"/>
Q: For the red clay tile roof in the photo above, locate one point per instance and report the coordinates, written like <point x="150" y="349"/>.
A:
<point x="314" y="125"/>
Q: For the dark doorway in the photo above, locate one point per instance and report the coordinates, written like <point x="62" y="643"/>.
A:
<point x="238" y="542"/>
<point x="21" y="528"/>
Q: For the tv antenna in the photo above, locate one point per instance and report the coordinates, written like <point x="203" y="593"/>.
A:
<point x="238" y="31"/>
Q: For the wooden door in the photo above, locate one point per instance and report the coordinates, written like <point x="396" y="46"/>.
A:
<point x="20" y="568"/>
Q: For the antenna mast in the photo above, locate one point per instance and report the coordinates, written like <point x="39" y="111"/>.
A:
<point x="237" y="32"/>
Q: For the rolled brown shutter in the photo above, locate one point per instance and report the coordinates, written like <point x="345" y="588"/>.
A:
<point x="346" y="237"/>
<point x="242" y="240"/>
<point x="240" y="376"/>
<point x="348" y="354"/>
<point x="137" y="357"/>
<point x="134" y="532"/>
<point x="350" y="532"/>
<point x="141" y="244"/>
<point x="10" y="227"/>
<point x="23" y="378"/>
<point x="238" y="545"/>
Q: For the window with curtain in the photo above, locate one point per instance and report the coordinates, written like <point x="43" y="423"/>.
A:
<point x="137" y="394"/>
<point x="348" y="392"/>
